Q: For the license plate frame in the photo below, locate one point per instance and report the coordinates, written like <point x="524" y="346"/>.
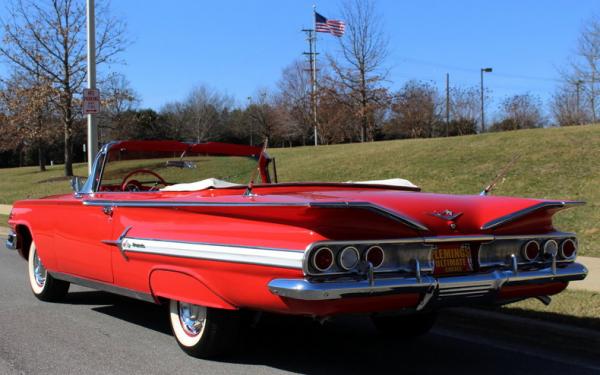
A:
<point x="452" y="259"/>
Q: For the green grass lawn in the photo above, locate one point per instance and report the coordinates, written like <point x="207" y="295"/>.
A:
<point x="556" y="163"/>
<point x="4" y="221"/>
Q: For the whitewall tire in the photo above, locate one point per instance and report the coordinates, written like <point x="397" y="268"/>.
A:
<point x="203" y="332"/>
<point x="43" y="285"/>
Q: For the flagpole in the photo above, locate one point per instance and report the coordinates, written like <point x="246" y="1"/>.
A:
<point x="314" y="73"/>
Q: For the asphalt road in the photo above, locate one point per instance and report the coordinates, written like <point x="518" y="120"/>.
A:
<point x="98" y="333"/>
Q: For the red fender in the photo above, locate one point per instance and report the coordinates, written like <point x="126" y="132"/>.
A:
<point x="184" y="287"/>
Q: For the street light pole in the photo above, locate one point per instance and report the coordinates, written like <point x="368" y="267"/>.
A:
<point x="483" y="70"/>
<point x="578" y="86"/>
<point x="92" y="138"/>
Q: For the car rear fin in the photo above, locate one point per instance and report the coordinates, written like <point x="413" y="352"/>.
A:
<point x="513" y="216"/>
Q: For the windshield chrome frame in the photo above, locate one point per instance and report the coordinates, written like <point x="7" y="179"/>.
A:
<point x="93" y="180"/>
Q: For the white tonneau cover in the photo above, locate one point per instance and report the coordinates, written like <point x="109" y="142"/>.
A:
<point x="200" y="185"/>
<point x="389" y="182"/>
<point x="216" y="183"/>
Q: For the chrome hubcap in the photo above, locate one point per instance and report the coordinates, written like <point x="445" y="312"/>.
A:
<point x="39" y="271"/>
<point x="192" y="318"/>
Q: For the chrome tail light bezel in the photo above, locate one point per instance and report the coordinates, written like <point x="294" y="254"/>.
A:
<point x="575" y="249"/>
<point x="314" y="257"/>
<point x="375" y="248"/>
<point x="525" y="254"/>
<point x="341" y="256"/>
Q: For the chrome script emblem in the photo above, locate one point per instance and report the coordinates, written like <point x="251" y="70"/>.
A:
<point x="447" y="215"/>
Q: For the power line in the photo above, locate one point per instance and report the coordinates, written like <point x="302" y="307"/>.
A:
<point x="473" y="70"/>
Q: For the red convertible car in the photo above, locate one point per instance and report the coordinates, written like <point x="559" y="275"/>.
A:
<point x="179" y="224"/>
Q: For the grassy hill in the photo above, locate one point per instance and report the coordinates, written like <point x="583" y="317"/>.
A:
<point x="556" y="163"/>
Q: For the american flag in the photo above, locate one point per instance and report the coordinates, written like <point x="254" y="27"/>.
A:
<point x="323" y="25"/>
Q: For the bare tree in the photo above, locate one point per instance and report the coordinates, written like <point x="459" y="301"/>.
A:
<point x="50" y="36"/>
<point x="295" y="98"/>
<point x="364" y="50"/>
<point x="30" y="120"/>
<point x="118" y="98"/>
<point x="586" y="67"/>
<point x="205" y="108"/>
<point x="465" y="110"/>
<point x="520" y="112"/>
<point x="264" y="117"/>
<point x="416" y="111"/>
<point x="565" y="107"/>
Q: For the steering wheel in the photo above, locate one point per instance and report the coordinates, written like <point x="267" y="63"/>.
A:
<point x="135" y="185"/>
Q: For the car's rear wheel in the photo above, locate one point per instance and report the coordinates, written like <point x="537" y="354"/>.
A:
<point x="44" y="286"/>
<point x="405" y="325"/>
<point x="203" y="332"/>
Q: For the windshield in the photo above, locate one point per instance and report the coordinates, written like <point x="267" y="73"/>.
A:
<point x="147" y="171"/>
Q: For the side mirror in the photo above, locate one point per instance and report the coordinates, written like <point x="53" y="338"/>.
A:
<point x="76" y="183"/>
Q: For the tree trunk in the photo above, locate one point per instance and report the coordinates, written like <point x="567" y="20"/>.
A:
<point x="41" y="157"/>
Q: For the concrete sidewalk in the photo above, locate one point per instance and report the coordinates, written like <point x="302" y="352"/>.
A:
<point x="591" y="282"/>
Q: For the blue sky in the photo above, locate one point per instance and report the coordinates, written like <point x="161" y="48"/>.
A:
<point x="238" y="46"/>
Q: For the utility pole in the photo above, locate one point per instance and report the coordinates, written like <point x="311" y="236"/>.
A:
<point x="447" y="102"/>
<point x="92" y="138"/>
<point x="578" y="87"/>
<point x="483" y="70"/>
<point x="311" y="37"/>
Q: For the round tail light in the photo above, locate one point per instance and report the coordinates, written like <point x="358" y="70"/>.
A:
<point x="551" y="248"/>
<point x="375" y="256"/>
<point x="323" y="259"/>
<point x="531" y="250"/>
<point x="568" y="249"/>
<point x="349" y="258"/>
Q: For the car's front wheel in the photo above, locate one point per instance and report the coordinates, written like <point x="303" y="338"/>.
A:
<point x="44" y="286"/>
<point x="405" y="325"/>
<point x="203" y="332"/>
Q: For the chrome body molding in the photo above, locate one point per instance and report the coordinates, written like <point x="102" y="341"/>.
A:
<point x="11" y="241"/>
<point x="105" y="287"/>
<point x="284" y="258"/>
<point x="526" y="211"/>
<point x="443" y="288"/>
<point x="411" y="223"/>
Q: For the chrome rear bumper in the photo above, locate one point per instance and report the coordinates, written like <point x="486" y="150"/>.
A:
<point x="11" y="242"/>
<point x="477" y="285"/>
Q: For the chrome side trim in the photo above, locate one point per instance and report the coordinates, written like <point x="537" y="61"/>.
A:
<point x="105" y="287"/>
<point x="284" y="258"/>
<point x="119" y="242"/>
<point x="526" y="211"/>
<point x="167" y="204"/>
<point x="445" y="288"/>
<point x="409" y="222"/>
<point x="11" y="241"/>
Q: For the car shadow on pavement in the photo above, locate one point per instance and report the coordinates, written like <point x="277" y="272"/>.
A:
<point x="344" y="345"/>
<point x="145" y="314"/>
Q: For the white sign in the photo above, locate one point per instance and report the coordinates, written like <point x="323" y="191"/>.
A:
<point x="91" y="101"/>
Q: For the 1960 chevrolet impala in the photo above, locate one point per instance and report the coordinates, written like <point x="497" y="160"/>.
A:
<point x="157" y="221"/>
